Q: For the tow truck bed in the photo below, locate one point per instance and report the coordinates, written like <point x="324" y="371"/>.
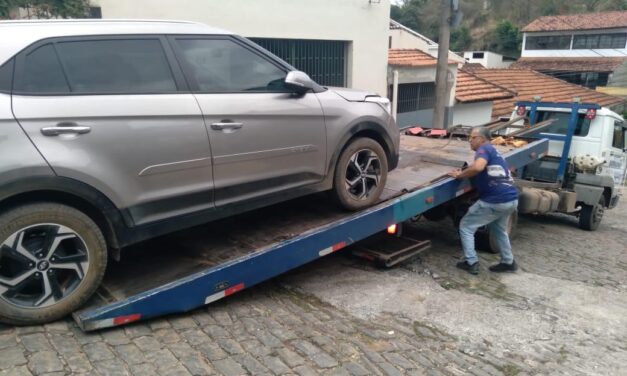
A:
<point x="185" y="270"/>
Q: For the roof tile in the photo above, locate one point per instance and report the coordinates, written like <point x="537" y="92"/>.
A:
<point x="471" y="88"/>
<point x="412" y="58"/>
<point x="527" y="84"/>
<point x="587" y="21"/>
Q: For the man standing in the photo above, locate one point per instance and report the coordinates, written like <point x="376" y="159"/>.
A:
<point x="498" y="199"/>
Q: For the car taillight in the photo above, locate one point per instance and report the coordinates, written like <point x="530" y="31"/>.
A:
<point x="591" y="114"/>
<point x="520" y="111"/>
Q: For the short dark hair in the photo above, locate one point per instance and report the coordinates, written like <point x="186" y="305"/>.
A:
<point x="483" y="132"/>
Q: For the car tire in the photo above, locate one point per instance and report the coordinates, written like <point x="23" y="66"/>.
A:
<point x="360" y="174"/>
<point x="52" y="259"/>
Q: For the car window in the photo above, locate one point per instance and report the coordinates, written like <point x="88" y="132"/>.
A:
<point x="560" y="125"/>
<point x="6" y="77"/>
<point x="618" y="140"/>
<point x="122" y="66"/>
<point x="221" y="65"/>
<point x="43" y="73"/>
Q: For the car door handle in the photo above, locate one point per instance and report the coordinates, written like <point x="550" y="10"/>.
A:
<point x="226" y="125"/>
<point x="65" y="128"/>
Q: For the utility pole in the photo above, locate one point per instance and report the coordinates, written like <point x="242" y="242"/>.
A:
<point x="441" y="81"/>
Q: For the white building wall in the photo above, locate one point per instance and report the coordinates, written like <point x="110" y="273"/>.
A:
<point x="409" y="75"/>
<point x="405" y="38"/>
<point x="490" y="60"/>
<point x="614" y="52"/>
<point x="363" y="24"/>
<point x="472" y="114"/>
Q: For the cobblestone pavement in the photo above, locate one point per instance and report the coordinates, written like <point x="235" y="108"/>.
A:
<point x="564" y="313"/>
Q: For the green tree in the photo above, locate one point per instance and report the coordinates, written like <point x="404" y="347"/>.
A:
<point x="461" y="39"/>
<point x="48" y="8"/>
<point x="506" y="39"/>
<point x="418" y="16"/>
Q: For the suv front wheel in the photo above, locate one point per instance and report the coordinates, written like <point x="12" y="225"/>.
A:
<point x="360" y="174"/>
<point x="52" y="259"/>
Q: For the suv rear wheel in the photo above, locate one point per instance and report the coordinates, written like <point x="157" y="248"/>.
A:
<point x="52" y="259"/>
<point x="360" y="174"/>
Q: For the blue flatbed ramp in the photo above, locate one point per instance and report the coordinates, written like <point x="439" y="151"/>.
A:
<point x="198" y="266"/>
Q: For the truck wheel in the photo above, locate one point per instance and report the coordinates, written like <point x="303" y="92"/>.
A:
<point x="360" y="174"/>
<point x="52" y="259"/>
<point x="486" y="241"/>
<point x="591" y="215"/>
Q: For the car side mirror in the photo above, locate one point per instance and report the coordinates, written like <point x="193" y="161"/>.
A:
<point x="299" y="82"/>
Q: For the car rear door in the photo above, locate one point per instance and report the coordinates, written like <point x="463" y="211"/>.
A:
<point x="264" y="138"/>
<point x="113" y="112"/>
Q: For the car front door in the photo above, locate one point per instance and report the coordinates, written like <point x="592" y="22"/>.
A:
<point x="112" y="112"/>
<point x="264" y="139"/>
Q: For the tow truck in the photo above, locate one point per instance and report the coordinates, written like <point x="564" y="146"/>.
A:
<point x="560" y="166"/>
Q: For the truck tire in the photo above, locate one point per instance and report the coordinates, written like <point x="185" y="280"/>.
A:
<point x="591" y="215"/>
<point x="360" y="174"/>
<point x="52" y="259"/>
<point x="487" y="242"/>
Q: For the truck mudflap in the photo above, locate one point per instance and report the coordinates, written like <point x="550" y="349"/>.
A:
<point x="613" y="202"/>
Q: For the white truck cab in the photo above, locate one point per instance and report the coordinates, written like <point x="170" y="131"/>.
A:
<point x="602" y="134"/>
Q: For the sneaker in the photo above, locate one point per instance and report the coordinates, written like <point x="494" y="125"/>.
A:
<point x="472" y="269"/>
<point x="504" y="268"/>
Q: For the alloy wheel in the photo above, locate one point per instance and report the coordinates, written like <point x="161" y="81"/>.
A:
<point x="363" y="174"/>
<point x="42" y="264"/>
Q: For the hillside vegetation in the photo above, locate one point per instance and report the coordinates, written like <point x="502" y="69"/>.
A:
<point x="492" y="24"/>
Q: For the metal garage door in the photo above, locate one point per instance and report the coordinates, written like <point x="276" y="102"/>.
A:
<point x="324" y="61"/>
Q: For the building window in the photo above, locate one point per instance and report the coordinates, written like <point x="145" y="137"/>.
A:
<point x="477" y="55"/>
<point x="548" y="42"/>
<point x="590" y="80"/>
<point x="426" y="96"/>
<point x="415" y="97"/>
<point x="95" y="12"/>
<point x="323" y="61"/>
<point x="598" y="41"/>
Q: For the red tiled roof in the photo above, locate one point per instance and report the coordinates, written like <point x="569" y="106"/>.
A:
<point x="469" y="67"/>
<point x="412" y="58"/>
<point x="527" y="84"/>
<point x="570" y="64"/>
<point x="587" y="21"/>
<point x="471" y="88"/>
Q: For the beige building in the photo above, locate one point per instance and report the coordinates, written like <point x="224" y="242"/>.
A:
<point x="338" y="42"/>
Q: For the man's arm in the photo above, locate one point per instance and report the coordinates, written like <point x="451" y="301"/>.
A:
<point x="474" y="169"/>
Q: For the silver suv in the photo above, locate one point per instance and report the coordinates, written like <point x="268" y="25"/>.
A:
<point x="113" y="132"/>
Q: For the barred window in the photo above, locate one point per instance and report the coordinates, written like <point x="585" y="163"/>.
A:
<point x="415" y="96"/>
